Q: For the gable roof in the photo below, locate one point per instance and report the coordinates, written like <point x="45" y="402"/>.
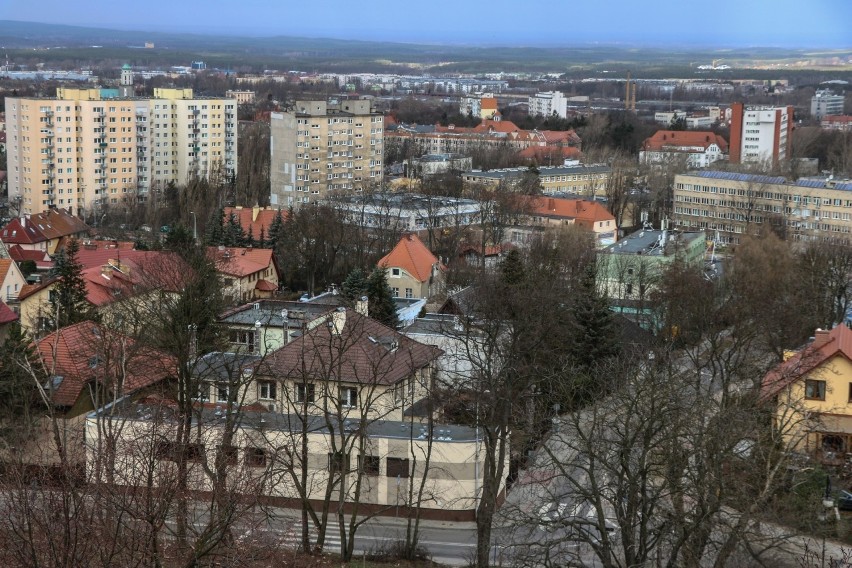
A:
<point x="581" y="210"/>
<point x="826" y="344"/>
<point x="542" y="154"/>
<point x="254" y="219"/>
<point x="44" y="226"/>
<point x="488" y="103"/>
<point x="20" y="254"/>
<point x="239" y="261"/>
<point x="6" y="314"/>
<point x="411" y="255"/>
<point x="75" y="355"/>
<point x="672" y="140"/>
<point x="364" y="351"/>
<point x="5" y="266"/>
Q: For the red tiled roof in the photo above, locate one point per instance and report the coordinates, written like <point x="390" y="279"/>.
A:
<point x="6" y="314"/>
<point x="490" y="250"/>
<point x="560" y="137"/>
<point x="258" y="219"/>
<point x="826" y="344"/>
<point x="839" y="118"/>
<point x="368" y="353"/>
<point x="581" y="210"/>
<point x="411" y="255"/>
<point x="45" y="226"/>
<point x="671" y="139"/>
<point x="20" y="254"/>
<point x="240" y="262"/>
<point x="112" y="274"/>
<point x="5" y="265"/>
<point x="28" y="290"/>
<point x="265" y="286"/>
<point x="488" y="103"/>
<point x="84" y="352"/>
<point x="543" y="154"/>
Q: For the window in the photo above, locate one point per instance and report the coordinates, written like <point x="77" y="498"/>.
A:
<point x="395" y="272"/>
<point x="229" y="453"/>
<point x="850" y="392"/>
<point x="255" y="457"/>
<point x="395" y="292"/>
<point x="222" y="392"/>
<point x="266" y="390"/>
<point x="409" y="293"/>
<point x="305" y="393"/>
<point x="203" y="394"/>
<point x="397" y="467"/>
<point x="338" y="462"/>
<point x="369" y="465"/>
<point x="243" y="337"/>
<point x="349" y="396"/>
<point x="814" y="390"/>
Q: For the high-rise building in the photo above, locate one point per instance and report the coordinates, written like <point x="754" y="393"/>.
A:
<point x="90" y="148"/>
<point x="548" y="104"/>
<point x="760" y="133"/>
<point x="319" y="148"/>
<point x="826" y="103"/>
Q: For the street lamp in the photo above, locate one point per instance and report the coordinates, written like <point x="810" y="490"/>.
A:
<point x="194" y="227"/>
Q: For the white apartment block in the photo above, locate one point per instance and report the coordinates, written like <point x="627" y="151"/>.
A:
<point x="826" y="103"/>
<point x="87" y="148"/>
<point x="549" y="103"/>
<point x="760" y="133"/>
<point x="320" y="148"/>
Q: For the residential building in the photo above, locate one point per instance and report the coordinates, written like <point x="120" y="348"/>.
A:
<point x="43" y="231"/>
<point x="760" y="133"/>
<point x="437" y="139"/>
<point x="242" y="97"/>
<point x="697" y="148"/>
<point x="548" y="104"/>
<point x="412" y="270"/>
<point x="630" y="269"/>
<point x="811" y="392"/>
<point x="577" y="179"/>
<point x="728" y="204"/>
<point x="320" y="148"/>
<point x="431" y="164"/>
<point x="409" y="212"/>
<point x="264" y="326"/>
<point x="88" y="367"/>
<point x="7" y="319"/>
<point x="825" y="103"/>
<point x="480" y="105"/>
<point x="11" y="281"/>
<point x="255" y="221"/>
<point x="837" y="122"/>
<point x="89" y="148"/>
<point x="247" y="273"/>
<point x="348" y="401"/>
<point x="555" y="212"/>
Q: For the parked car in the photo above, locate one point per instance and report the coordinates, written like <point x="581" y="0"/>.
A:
<point x="843" y="500"/>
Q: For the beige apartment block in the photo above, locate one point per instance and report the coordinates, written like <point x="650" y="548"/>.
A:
<point x="728" y="205"/>
<point x="88" y="149"/>
<point x="321" y="148"/>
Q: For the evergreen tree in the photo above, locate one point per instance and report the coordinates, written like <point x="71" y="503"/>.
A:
<point x="19" y="397"/>
<point x="261" y="239"/>
<point x="354" y="286"/>
<point x="179" y="239"/>
<point x="382" y="307"/>
<point x="276" y="230"/>
<point x="233" y="232"/>
<point x="215" y="228"/>
<point x="249" y="240"/>
<point x="71" y="305"/>
<point x="594" y="340"/>
<point x="512" y="271"/>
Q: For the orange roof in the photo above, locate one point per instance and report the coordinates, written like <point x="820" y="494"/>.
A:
<point x="75" y="355"/>
<point x="838" y="118"/>
<point x="541" y="154"/>
<point x="672" y="139"/>
<point x="240" y="262"/>
<point x="258" y="219"/>
<point x="5" y="265"/>
<point x="826" y="344"/>
<point x="411" y="255"/>
<point x="488" y="103"/>
<point x="581" y="210"/>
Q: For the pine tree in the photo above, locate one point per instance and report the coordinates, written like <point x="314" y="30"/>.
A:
<point x="276" y="230"/>
<point x="249" y="240"/>
<point x="382" y="307"/>
<point x="71" y="305"/>
<point x="215" y="229"/>
<point x="594" y="336"/>
<point x="512" y="271"/>
<point x="233" y="232"/>
<point x="354" y="286"/>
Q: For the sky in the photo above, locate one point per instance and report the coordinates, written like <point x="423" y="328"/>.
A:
<point x="715" y="23"/>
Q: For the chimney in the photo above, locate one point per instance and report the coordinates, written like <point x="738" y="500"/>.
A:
<point x="255" y="211"/>
<point x="362" y="306"/>
<point x="821" y="337"/>
<point x="338" y="321"/>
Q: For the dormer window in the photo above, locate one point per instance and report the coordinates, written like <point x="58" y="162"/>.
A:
<point x="395" y="272"/>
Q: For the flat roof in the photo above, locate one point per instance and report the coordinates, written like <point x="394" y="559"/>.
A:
<point x="271" y="313"/>
<point x="542" y="171"/>
<point x="648" y="242"/>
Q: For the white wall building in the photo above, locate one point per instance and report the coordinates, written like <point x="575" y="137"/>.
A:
<point x="549" y="103"/>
